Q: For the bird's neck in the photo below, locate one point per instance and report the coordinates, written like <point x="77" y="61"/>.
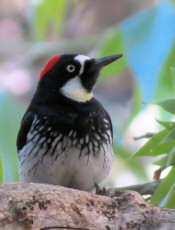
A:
<point x="53" y="98"/>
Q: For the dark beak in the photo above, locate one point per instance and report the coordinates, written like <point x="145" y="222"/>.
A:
<point x="101" y="62"/>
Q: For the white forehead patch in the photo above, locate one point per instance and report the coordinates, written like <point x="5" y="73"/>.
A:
<point x="81" y="59"/>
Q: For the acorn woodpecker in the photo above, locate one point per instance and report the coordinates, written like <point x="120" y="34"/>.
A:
<point x="66" y="135"/>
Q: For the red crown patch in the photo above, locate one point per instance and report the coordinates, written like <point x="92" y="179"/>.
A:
<point x="49" y="65"/>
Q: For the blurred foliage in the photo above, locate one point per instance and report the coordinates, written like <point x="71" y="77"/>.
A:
<point x="148" y="40"/>
<point x="166" y="81"/>
<point x="132" y="164"/>
<point x="156" y="145"/>
<point x="49" y="18"/>
<point x="163" y="143"/>
<point x="112" y="44"/>
<point x="1" y="169"/>
<point x="10" y="117"/>
<point x="138" y="37"/>
<point x="163" y="195"/>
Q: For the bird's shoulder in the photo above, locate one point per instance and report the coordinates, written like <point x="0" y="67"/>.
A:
<point x="26" y="124"/>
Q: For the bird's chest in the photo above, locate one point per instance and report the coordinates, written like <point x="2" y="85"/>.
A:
<point x="86" y="132"/>
<point x="80" y="147"/>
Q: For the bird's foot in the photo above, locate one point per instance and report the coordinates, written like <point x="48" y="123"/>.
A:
<point x="101" y="191"/>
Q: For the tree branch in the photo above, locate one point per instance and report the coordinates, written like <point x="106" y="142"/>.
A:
<point x="41" y="207"/>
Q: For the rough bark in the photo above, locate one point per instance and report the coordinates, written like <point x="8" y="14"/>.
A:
<point x="42" y="207"/>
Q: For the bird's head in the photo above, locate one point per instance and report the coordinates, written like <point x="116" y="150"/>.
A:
<point x="72" y="75"/>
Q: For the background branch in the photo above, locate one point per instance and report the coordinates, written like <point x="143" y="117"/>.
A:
<point x="143" y="189"/>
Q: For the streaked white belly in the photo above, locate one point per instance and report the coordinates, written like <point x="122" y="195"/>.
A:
<point x="69" y="169"/>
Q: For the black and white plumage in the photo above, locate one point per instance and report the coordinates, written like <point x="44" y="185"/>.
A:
<point x="66" y="135"/>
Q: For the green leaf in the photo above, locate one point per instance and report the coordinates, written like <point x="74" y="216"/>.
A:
<point x="163" y="189"/>
<point x="167" y="160"/>
<point x="154" y="146"/>
<point x="10" y="118"/>
<point x="170" y="136"/>
<point x="168" y="105"/>
<point x="165" y="87"/>
<point x="167" y="124"/>
<point x="169" y="201"/>
<point x="112" y="44"/>
<point x="170" y="157"/>
<point x="136" y="101"/>
<point x="161" y="162"/>
<point x="172" y="1"/>
<point x="49" y="18"/>
<point x="133" y="164"/>
<point x="1" y="170"/>
<point x="173" y="71"/>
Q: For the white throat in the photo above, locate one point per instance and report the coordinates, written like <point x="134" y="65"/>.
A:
<point x="74" y="90"/>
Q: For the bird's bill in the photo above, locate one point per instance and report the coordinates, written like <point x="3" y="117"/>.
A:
<point x="101" y="62"/>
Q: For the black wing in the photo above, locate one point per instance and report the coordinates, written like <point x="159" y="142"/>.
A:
<point x="24" y="129"/>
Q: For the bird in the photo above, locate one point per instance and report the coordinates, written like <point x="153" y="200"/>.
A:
<point x="66" y="135"/>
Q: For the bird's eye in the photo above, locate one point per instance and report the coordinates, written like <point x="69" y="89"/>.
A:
<point x="70" y="68"/>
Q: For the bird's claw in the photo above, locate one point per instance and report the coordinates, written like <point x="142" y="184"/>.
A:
<point x="101" y="191"/>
